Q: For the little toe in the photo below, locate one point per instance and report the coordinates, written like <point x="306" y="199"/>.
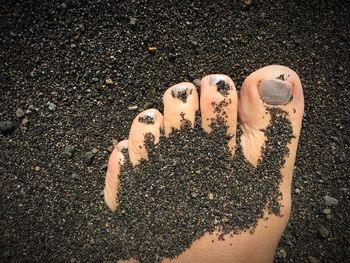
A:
<point x="116" y="160"/>
<point x="218" y="102"/>
<point x="180" y="106"/>
<point x="148" y="122"/>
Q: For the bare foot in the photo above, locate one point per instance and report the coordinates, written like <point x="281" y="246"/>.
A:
<point x="269" y="91"/>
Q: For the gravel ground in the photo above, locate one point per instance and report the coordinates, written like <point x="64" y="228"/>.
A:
<point x="74" y="76"/>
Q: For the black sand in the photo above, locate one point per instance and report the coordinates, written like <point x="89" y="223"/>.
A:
<point x="181" y="95"/>
<point x="223" y="87"/>
<point x="146" y="119"/>
<point x="192" y="185"/>
<point x="62" y="53"/>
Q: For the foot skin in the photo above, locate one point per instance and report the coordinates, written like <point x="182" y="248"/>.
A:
<point x="269" y="87"/>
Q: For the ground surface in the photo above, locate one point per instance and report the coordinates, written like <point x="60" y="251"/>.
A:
<point x="55" y="60"/>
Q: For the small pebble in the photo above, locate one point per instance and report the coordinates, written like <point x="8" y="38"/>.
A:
<point x="318" y="173"/>
<point x="20" y="113"/>
<point x="197" y="82"/>
<point x="110" y="148"/>
<point x="109" y="82"/>
<point x="289" y="243"/>
<point x="88" y="158"/>
<point x="330" y="200"/>
<point x="327" y="211"/>
<point x="133" y="107"/>
<point x="148" y="105"/>
<point x="323" y="232"/>
<point x="297" y="190"/>
<point x="64" y="5"/>
<point x="74" y="176"/>
<point x="210" y="196"/>
<point x="225" y="219"/>
<point x="31" y="108"/>
<point x="282" y="253"/>
<point x="312" y="259"/>
<point x="52" y="106"/>
<point x="69" y="151"/>
<point x="94" y="150"/>
<point x="152" y="49"/>
<point x="248" y="3"/>
<point x="114" y="142"/>
<point x="6" y="126"/>
<point x="37" y="168"/>
<point x="133" y="21"/>
<point x="194" y="194"/>
<point x="25" y="121"/>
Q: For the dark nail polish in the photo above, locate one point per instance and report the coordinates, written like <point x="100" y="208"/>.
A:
<point x="275" y="92"/>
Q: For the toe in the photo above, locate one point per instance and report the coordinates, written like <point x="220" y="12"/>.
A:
<point x="180" y="106"/>
<point x="269" y="87"/>
<point x="116" y="160"/>
<point x="273" y="85"/>
<point x="218" y="102"/>
<point x="148" y="122"/>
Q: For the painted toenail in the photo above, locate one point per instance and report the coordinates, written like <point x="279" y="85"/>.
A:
<point x="213" y="81"/>
<point x="221" y="83"/>
<point x="181" y="92"/>
<point x="275" y="92"/>
<point x="148" y="117"/>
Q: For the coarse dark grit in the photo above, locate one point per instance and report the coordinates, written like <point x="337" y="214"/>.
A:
<point x="223" y="87"/>
<point x="182" y="94"/>
<point x="146" y="119"/>
<point x="62" y="53"/>
<point x="192" y="185"/>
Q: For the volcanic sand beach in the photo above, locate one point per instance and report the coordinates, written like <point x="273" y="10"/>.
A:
<point x="74" y="76"/>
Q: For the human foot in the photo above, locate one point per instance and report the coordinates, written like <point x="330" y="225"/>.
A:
<point x="253" y="201"/>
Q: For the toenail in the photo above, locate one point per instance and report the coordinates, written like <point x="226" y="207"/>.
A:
<point x="122" y="147"/>
<point x="148" y="117"/>
<point x="221" y="82"/>
<point x="181" y="92"/>
<point x="214" y="79"/>
<point x="275" y="92"/>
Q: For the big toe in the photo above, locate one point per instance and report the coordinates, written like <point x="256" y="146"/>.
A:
<point x="271" y="87"/>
